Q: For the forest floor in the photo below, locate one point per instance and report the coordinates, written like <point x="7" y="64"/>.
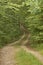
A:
<point x="7" y="53"/>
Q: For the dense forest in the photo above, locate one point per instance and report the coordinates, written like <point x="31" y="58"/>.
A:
<point x="18" y="17"/>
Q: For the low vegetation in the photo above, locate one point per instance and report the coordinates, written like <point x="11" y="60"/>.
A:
<point x="19" y="17"/>
<point x="38" y="47"/>
<point x="24" y="58"/>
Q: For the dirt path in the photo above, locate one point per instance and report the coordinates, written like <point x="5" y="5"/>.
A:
<point x="18" y="41"/>
<point x="8" y="52"/>
<point x="35" y="53"/>
<point x="7" y="56"/>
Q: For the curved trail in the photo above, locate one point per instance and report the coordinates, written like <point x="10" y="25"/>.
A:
<point x="8" y="52"/>
<point x="18" y="41"/>
<point x="35" y="53"/>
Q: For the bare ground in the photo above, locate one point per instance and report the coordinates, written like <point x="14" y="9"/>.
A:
<point x="7" y="53"/>
<point x="7" y="56"/>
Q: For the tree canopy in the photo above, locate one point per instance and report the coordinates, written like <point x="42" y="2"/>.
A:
<point x="17" y="13"/>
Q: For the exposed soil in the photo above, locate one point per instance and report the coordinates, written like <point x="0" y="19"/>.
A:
<point x="7" y="53"/>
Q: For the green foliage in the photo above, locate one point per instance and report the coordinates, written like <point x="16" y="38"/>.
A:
<point x="17" y="17"/>
<point x="9" y="28"/>
<point x="35" y="25"/>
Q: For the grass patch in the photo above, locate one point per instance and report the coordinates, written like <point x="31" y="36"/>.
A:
<point x="38" y="47"/>
<point x="24" y="58"/>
